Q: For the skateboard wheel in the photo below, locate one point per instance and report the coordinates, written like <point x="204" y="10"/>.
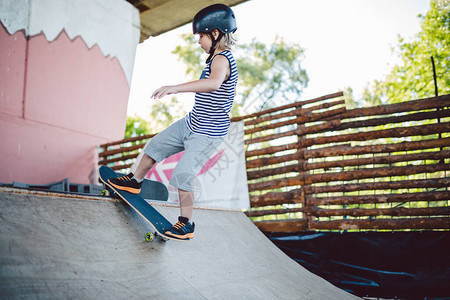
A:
<point x="149" y="236"/>
<point x="105" y="193"/>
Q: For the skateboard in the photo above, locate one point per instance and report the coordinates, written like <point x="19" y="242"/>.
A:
<point x="150" y="190"/>
<point x="142" y="207"/>
<point x="154" y="190"/>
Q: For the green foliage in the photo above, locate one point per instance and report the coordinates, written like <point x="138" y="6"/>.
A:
<point x="271" y="72"/>
<point x="413" y="77"/>
<point x="162" y="114"/>
<point x="191" y="55"/>
<point x="350" y="101"/>
<point x="136" y="126"/>
<point x="165" y="112"/>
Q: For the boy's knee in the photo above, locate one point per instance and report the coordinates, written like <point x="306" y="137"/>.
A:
<point x="150" y="158"/>
<point x="182" y="181"/>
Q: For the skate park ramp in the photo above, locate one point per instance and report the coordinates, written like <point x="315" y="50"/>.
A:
<point x="63" y="246"/>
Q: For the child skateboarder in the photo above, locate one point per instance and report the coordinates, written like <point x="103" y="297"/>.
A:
<point x="204" y="128"/>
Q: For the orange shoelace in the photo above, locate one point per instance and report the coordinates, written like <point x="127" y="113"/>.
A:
<point x="179" y="225"/>
<point x="124" y="178"/>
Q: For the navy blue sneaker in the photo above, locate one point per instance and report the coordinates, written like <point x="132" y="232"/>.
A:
<point x="126" y="183"/>
<point x="182" y="229"/>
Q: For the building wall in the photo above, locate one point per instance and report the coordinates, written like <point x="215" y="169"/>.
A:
<point x="65" y="73"/>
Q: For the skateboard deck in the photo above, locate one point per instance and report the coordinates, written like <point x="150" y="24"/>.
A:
<point x="142" y="207"/>
<point x="151" y="190"/>
<point x="154" y="190"/>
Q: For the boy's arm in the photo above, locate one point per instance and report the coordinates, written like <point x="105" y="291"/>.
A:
<point x="219" y="73"/>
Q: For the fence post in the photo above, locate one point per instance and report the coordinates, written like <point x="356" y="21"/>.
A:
<point x="302" y="174"/>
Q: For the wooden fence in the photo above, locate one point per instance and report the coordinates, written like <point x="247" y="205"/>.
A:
<point x="314" y="165"/>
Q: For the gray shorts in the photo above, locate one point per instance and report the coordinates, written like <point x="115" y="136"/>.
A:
<point x="176" y="138"/>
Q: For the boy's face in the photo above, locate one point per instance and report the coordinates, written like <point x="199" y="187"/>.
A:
<point x="205" y="41"/>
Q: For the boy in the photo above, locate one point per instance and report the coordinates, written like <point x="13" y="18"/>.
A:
<point x="204" y="128"/>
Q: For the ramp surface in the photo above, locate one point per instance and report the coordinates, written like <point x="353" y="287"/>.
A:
<point x="58" y="246"/>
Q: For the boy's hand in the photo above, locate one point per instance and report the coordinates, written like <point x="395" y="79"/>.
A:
<point x="220" y="71"/>
<point x="163" y="91"/>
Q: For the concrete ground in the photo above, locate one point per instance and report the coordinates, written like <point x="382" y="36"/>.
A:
<point x="63" y="246"/>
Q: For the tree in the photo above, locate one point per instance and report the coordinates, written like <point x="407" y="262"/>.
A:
<point x="136" y="126"/>
<point x="413" y="77"/>
<point x="268" y="74"/>
<point x="164" y="113"/>
<point x="272" y="73"/>
<point x="191" y="55"/>
<point x="350" y="101"/>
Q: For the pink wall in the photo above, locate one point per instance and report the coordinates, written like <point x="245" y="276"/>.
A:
<point x="12" y="70"/>
<point x="58" y="101"/>
<point x="76" y="88"/>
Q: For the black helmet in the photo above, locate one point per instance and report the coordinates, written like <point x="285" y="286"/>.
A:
<point x="216" y="16"/>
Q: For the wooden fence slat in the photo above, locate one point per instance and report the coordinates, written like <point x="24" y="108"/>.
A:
<point x="283" y="226"/>
<point x="347" y="224"/>
<point x="121" y="150"/>
<point x="307" y="179"/>
<point x="377" y="172"/>
<point x="420" y="116"/>
<point x="275" y="198"/>
<point x="378" y="160"/>
<point x="287" y="106"/>
<point x="342" y="150"/>
<point x="304" y="131"/>
<point x="380" y="224"/>
<point x="121" y="167"/>
<point x="395" y="211"/>
<point x="303" y="115"/>
<point x="355" y="212"/>
<point x="350" y="200"/>
<point x="347" y="149"/>
<point x="266" y="212"/>
<point x="380" y="198"/>
<point x="267" y="161"/>
<point x="118" y="159"/>
<point x="271" y="150"/>
<point x="407" y="106"/>
<point x="387" y="185"/>
<point x="400" y="132"/>
<point x="124" y="141"/>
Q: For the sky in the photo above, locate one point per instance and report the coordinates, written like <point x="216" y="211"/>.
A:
<point x="348" y="43"/>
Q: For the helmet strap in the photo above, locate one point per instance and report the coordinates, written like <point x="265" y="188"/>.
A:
<point x="213" y="45"/>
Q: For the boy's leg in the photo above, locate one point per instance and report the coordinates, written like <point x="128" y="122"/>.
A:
<point x="184" y="229"/>
<point x="186" y="197"/>
<point x="198" y="150"/>
<point x="166" y="143"/>
<point x="144" y="167"/>
<point x="133" y="182"/>
<point x="186" y="203"/>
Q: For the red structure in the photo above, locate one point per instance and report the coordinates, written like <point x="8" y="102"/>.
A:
<point x="65" y="73"/>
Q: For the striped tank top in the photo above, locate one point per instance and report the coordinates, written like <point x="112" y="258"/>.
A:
<point x="210" y="115"/>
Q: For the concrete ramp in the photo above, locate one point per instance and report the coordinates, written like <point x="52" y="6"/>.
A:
<point x="64" y="246"/>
